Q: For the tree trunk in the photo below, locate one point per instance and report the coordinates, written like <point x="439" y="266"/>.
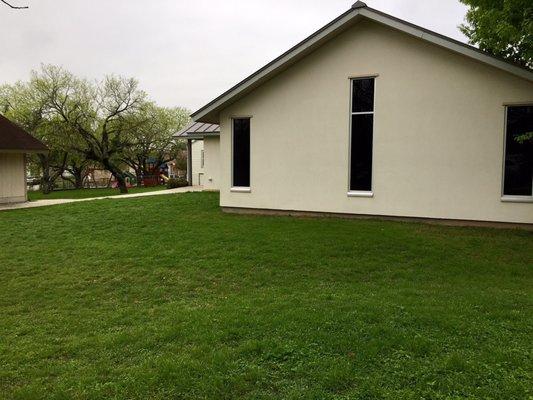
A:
<point x="118" y="174"/>
<point x="50" y="173"/>
<point x="78" y="177"/>
<point x="138" y="177"/>
<point x="121" y="183"/>
<point x="47" y="184"/>
<point x="79" y="181"/>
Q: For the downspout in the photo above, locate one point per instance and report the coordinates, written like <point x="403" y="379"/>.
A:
<point x="25" y="161"/>
<point x="189" y="161"/>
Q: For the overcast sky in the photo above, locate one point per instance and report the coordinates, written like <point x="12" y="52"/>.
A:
<point x="183" y="52"/>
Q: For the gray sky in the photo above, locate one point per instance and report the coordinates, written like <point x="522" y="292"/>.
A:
<point x="184" y="52"/>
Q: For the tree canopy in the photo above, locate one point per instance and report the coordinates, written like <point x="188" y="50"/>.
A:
<point x="107" y="123"/>
<point x="503" y="28"/>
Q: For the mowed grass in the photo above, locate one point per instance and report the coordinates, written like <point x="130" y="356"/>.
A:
<point x="88" y="193"/>
<point x="166" y="297"/>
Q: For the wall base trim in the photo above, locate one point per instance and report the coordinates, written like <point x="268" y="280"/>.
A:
<point x="432" y="221"/>
<point x="13" y="200"/>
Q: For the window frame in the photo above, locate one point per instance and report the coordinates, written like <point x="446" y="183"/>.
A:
<point x="361" y="193"/>
<point x="506" y="198"/>
<point x="233" y="188"/>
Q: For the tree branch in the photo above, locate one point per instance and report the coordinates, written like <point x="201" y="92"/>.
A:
<point x="14" y="7"/>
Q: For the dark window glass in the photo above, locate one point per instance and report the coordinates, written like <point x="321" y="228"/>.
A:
<point x="362" y="134"/>
<point x="241" y="152"/>
<point x="363" y="95"/>
<point x="361" y="160"/>
<point x="518" y="180"/>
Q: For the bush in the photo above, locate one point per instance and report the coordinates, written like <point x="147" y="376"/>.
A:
<point x="174" y="183"/>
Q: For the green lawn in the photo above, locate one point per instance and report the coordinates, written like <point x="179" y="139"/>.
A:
<point x="168" y="298"/>
<point x="87" y="193"/>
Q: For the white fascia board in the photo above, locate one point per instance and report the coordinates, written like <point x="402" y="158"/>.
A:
<point x="341" y="22"/>
<point x="447" y="43"/>
<point x="278" y="63"/>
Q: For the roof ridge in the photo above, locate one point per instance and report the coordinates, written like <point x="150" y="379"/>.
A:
<point x="359" y="4"/>
<point x="338" y="24"/>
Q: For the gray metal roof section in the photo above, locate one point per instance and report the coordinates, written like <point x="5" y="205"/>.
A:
<point x="199" y="129"/>
<point x="209" y="113"/>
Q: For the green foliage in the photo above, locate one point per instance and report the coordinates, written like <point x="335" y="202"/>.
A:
<point x="151" y="134"/>
<point x="526" y="137"/>
<point x="25" y="104"/>
<point x="166" y="297"/>
<point x="502" y="27"/>
<point x="86" y="124"/>
<point x="174" y="183"/>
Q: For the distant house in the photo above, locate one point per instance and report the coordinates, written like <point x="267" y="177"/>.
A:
<point x="374" y="116"/>
<point x="203" y="166"/>
<point x="15" y="143"/>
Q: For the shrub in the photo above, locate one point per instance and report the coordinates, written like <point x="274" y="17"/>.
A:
<point x="174" y="183"/>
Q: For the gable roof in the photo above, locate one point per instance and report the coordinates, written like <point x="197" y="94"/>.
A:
<point x="209" y="113"/>
<point x="198" y="130"/>
<point x="14" y="138"/>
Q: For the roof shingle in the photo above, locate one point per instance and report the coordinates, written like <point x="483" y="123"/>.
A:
<point x="14" y="138"/>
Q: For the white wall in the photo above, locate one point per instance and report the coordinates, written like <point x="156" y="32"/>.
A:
<point x="212" y="163"/>
<point x="197" y="168"/>
<point x="438" y="136"/>
<point x="12" y="178"/>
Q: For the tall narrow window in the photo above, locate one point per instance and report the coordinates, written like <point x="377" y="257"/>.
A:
<point x="518" y="179"/>
<point x="362" y="134"/>
<point x="241" y="152"/>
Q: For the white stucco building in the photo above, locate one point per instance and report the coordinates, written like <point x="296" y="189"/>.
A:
<point x="203" y="164"/>
<point x="374" y="116"/>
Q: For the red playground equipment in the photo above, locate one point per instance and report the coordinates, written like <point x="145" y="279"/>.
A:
<point x="155" y="175"/>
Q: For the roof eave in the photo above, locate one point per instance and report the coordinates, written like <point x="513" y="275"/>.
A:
<point x="199" y="135"/>
<point x="446" y="42"/>
<point x="196" y="135"/>
<point x="210" y="112"/>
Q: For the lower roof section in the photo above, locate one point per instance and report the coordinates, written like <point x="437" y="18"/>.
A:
<point x="197" y="130"/>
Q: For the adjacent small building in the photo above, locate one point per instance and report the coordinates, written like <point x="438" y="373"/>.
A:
<point x="203" y="154"/>
<point x="15" y="143"/>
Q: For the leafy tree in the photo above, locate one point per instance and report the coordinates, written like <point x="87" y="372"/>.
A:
<point x="78" y="169"/>
<point x="502" y="27"/>
<point x="98" y="115"/>
<point x="152" y="138"/>
<point x="181" y="157"/>
<point x="108" y="123"/>
<point x="23" y="104"/>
